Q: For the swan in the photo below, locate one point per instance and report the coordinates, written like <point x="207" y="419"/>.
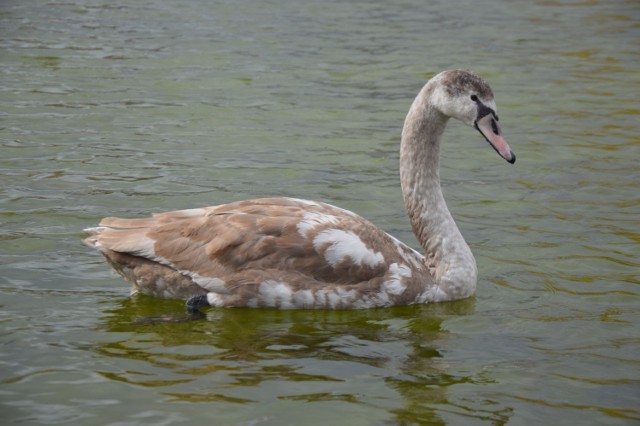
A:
<point x="288" y="253"/>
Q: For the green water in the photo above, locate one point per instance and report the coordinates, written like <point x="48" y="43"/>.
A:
<point x="125" y="108"/>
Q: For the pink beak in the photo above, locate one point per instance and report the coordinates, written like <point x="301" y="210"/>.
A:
<point x="490" y="129"/>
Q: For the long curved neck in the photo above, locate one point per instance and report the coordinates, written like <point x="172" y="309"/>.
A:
<point x="446" y="251"/>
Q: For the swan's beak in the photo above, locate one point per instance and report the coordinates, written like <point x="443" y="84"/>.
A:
<point x="490" y="129"/>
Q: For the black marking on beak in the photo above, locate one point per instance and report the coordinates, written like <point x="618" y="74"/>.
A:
<point x="484" y="110"/>
<point x="494" y="126"/>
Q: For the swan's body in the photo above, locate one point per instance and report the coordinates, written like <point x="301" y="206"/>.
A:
<point x="297" y="254"/>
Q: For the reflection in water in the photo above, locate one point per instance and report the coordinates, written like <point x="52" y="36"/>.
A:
<point x="235" y="354"/>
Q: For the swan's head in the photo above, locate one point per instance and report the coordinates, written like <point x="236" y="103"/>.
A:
<point x="463" y="95"/>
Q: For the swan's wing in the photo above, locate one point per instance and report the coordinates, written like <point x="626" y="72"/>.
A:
<point x="255" y="239"/>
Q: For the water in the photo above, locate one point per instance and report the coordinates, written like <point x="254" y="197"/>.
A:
<point x="124" y="108"/>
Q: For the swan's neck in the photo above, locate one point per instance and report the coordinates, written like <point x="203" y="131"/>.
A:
<point x="453" y="264"/>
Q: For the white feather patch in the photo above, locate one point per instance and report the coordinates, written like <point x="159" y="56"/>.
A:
<point x="95" y="230"/>
<point x="215" y="300"/>
<point x="304" y="202"/>
<point x="276" y="294"/>
<point x="343" y="244"/>
<point x="312" y="219"/>
<point x="395" y="285"/>
<point x="303" y="299"/>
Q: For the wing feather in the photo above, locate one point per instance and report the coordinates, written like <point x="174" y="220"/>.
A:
<point x="243" y="238"/>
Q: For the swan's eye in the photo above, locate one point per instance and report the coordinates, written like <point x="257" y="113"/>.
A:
<point x="474" y="98"/>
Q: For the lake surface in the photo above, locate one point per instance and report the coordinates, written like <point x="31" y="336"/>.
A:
<point x="124" y="108"/>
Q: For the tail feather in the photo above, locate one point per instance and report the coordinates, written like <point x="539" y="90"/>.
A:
<point x="133" y="241"/>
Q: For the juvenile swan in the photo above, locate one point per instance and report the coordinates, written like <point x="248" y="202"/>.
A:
<point x="289" y="253"/>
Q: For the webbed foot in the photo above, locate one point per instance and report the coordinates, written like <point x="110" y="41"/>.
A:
<point x="196" y="302"/>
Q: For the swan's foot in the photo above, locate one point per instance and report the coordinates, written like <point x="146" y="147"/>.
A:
<point x="194" y="303"/>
